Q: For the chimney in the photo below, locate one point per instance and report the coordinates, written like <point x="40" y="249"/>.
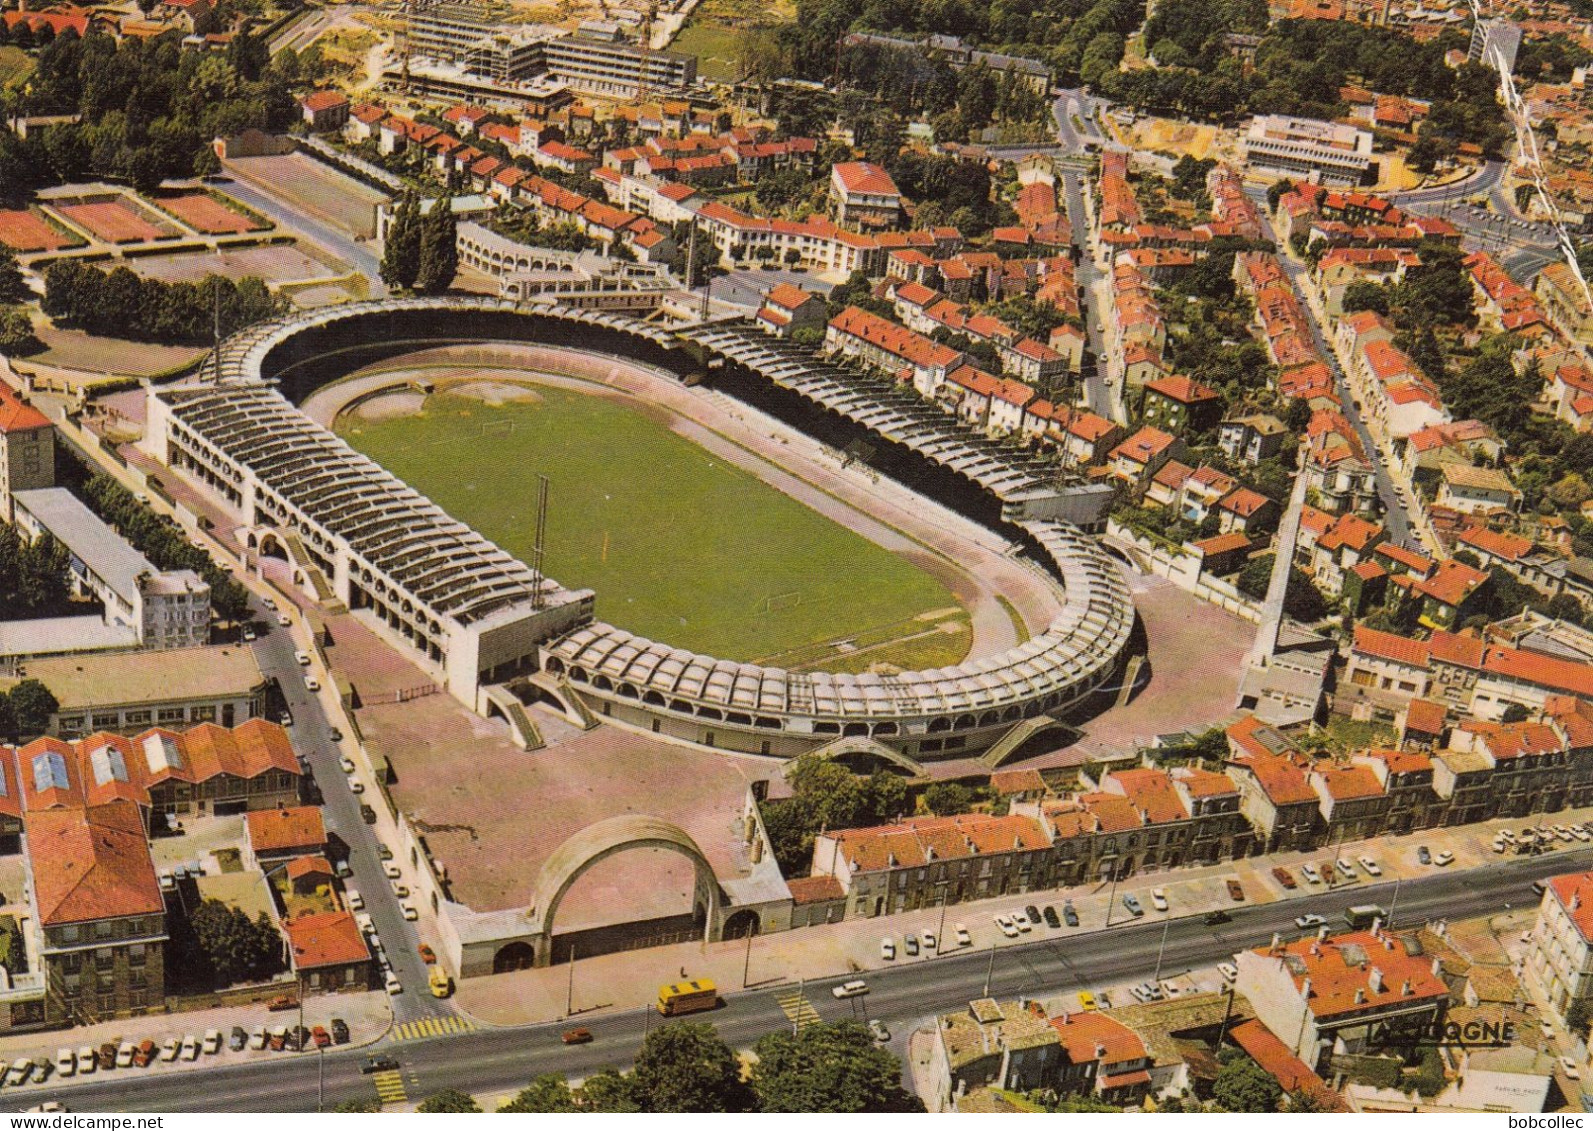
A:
<point x="1374" y="979"/>
<point x="1322" y="933"/>
<point x="1360" y="996"/>
<point x="1277" y="940"/>
<point x="1437" y="966"/>
<point x="1305" y="989"/>
<point x="1405" y="988"/>
<point x="1100" y="1052"/>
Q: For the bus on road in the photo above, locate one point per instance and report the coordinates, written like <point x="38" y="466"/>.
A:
<point x="1360" y="917"/>
<point x="687" y="997"/>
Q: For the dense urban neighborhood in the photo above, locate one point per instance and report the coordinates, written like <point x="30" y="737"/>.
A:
<point x="1073" y="528"/>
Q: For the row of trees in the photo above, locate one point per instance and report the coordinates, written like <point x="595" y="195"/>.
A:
<point x="123" y="305"/>
<point x="148" y="109"/>
<point x="421" y="252"/>
<point x="161" y="541"/>
<point x="687" y="1067"/>
<point x="34" y="576"/>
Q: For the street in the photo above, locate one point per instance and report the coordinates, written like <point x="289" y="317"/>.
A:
<point x="499" y="1060"/>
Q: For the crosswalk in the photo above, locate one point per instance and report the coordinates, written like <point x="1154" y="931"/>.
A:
<point x="431" y="1027"/>
<point x="797" y="1008"/>
<point x="390" y="1087"/>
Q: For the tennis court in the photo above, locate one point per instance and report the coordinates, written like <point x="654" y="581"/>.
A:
<point x="23" y="230"/>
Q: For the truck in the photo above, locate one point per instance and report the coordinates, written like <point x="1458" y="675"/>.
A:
<point x="1362" y="915"/>
<point x="441" y="984"/>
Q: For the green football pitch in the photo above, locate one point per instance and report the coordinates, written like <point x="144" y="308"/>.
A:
<point x="680" y="546"/>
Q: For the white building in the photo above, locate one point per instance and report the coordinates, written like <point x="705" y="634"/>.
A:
<point x="1328" y="153"/>
<point x="1559" y="960"/>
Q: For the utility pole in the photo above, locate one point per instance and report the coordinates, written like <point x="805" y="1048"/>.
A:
<point x="1111" y="896"/>
<point x="1394" y="906"/>
<point x="746" y="966"/>
<point x="940" y="934"/>
<point x="1167" y="925"/>
<point x="569" y="997"/>
<point x="990" y="970"/>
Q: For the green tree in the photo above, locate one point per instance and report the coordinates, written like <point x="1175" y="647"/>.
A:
<point x="547" y="1093"/>
<point x="439" y="249"/>
<point x="609" y="1092"/>
<point x="33" y="704"/>
<point x="12" y="288"/>
<point x="945" y="799"/>
<point x="449" y="1101"/>
<point x="357" y="1107"/>
<point x="1363" y="294"/>
<point x="400" y="264"/>
<point x="687" y="1067"/>
<point x="828" y="1068"/>
<point x="238" y="948"/>
<point x="16" y="332"/>
<point x="1242" y="1085"/>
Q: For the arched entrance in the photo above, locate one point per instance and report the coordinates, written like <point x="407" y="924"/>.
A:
<point x="596" y="843"/>
<point x="514" y="956"/>
<point x="741" y="924"/>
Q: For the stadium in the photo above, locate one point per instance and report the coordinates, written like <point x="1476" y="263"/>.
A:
<point x="498" y="632"/>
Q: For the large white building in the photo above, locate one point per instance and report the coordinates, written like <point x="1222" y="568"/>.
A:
<point x="1329" y="153"/>
<point x="1559" y="961"/>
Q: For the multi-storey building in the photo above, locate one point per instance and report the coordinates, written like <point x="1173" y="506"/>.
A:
<point x="100" y="912"/>
<point x="27" y="450"/>
<point x="1559" y="959"/>
<point x="1323" y="152"/>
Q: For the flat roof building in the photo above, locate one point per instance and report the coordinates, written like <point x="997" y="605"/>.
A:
<point x="127" y="691"/>
<point x="1328" y="153"/>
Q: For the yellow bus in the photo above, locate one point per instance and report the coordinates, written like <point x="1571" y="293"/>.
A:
<point x="687" y="997"/>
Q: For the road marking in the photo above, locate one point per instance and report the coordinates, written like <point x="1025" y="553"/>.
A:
<point x="798" y="1010"/>
<point x="432" y="1027"/>
<point x="390" y="1087"/>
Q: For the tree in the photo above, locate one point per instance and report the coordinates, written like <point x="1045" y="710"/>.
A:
<point x="547" y="1093"/>
<point x="401" y="251"/>
<point x="12" y="288"/>
<point x="947" y="798"/>
<point x="1363" y="294"/>
<point x="356" y="1107"/>
<point x="449" y="1101"/>
<point x="609" y="1092"/>
<point x="439" y="249"/>
<point x="33" y="704"/>
<point x="687" y="1067"/>
<point x="1242" y="1085"/>
<point x="237" y="948"/>
<point x="16" y="332"/>
<point x="828" y="1068"/>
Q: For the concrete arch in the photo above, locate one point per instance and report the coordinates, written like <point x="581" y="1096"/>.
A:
<point x="596" y="843"/>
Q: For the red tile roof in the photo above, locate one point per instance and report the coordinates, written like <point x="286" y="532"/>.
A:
<point x="865" y="177"/>
<point x="329" y="938"/>
<point x="282" y="830"/>
<point x="1185" y="390"/>
<point x="1340" y="969"/>
<point x="91" y="863"/>
<point x="1575" y="893"/>
<point x="1093" y="1037"/>
<point x="16" y="414"/>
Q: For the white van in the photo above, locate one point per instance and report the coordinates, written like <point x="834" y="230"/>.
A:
<point x="355" y="901"/>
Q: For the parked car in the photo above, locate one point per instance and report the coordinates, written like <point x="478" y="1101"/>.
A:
<point x="1507" y="836"/>
<point x="1444" y="858"/>
<point x="339" y="1031"/>
<point x="65" y="1062"/>
<point x="1032" y="914"/>
<point x="1131" y="901"/>
<point x="1312" y="876"/>
<point x="125" y="1055"/>
<point x="407" y="910"/>
<point x="319" y="1037"/>
<point x="887" y="949"/>
<point x="427" y="954"/>
<point x="963" y="937"/>
<point x="282" y="1002"/>
<point x="171" y="1049"/>
<point x="1371" y="866"/>
<point x="931" y="941"/>
<point x="367" y="814"/>
<point x="1568" y="1066"/>
<point x="1087" y="1001"/>
<point x="212" y="1042"/>
<point x="855" y="988"/>
<point x="910" y="945"/>
<point x="1236" y="891"/>
<point x="1159" y="898"/>
<point x="1499" y="845"/>
<point x="239" y="1040"/>
<point x="877" y="1028"/>
<point x="1422" y="855"/>
<point x="346" y="764"/>
<point x="1309" y="922"/>
<point x="391" y="871"/>
<point x="311" y="683"/>
<point x="1345" y="869"/>
<point x="302" y="659"/>
<point x="1006" y="926"/>
<point x="189" y="1049"/>
<point x="109" y="1052"/>
<point x="1021" y="921"/>
<point x="1581" y="833"/>
<point x="1070" y="916"/>
<point x="279" y="1039"/>
<point x="1052" y="920"/>
<point x="399" y="890"/>
<point x="18" y="1073"/>
<point x="1284" y="877"/>
<point x="393" y="985"/>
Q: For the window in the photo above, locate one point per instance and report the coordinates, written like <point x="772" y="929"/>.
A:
<point x="107" y="720"/>
<point x="204" y="714"/>
<point x="170" y="715"/>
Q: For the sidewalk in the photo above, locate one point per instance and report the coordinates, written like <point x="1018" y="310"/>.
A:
<point x="630" y="979"/>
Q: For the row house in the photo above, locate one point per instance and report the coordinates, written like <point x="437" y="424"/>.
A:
<point x="981" y="400"/>
<point x="927" y="311"/>
<point x="1468" y="489"/>
<point x="701" y="170"/>
<point x="863" y="193"/>
<point x="1503" y="303"/>
<point x="1280" y="322"/>
<point x="1137" y="459"/>
<point x="1570" y="390"/>
<point x="788" y="308"/>
<point x="1395" y="392"/>
<point x="600" y="221"/>
<point x="1231" y="205"/>
<point x="1559" y="959"/>
<point x="1118" y="209"/>
<point x="1339" y="267"/>
<point x="1330" y="546"/>
<point x="1312" y="383"/>
<point x="1423" y="454"/>
<point x="1085" y="438"/>
<point x="1336" y="467"/>
<point x="563" y="157"/>
<point x="1253" y="438"/>
<point x="1564" y="299"/>
<point x="1275" y="791"/>
<point x="1180" y="404"/>
<point x="1136" y="317"/>
<point x="667" y="202"/>
<point x="896" y="350"/>
<point x="815" y="243"/>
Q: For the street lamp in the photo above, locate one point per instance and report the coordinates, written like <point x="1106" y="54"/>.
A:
<point x="940" y="933"/>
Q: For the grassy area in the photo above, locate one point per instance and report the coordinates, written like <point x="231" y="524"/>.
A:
<point x="1342" y="735"/>
<point x="679" y="546"/>
<point x="715" y="29"/>
<point x="15" y="66"/>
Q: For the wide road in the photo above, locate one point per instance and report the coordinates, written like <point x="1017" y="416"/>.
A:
<point x="498" y="1060"/>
